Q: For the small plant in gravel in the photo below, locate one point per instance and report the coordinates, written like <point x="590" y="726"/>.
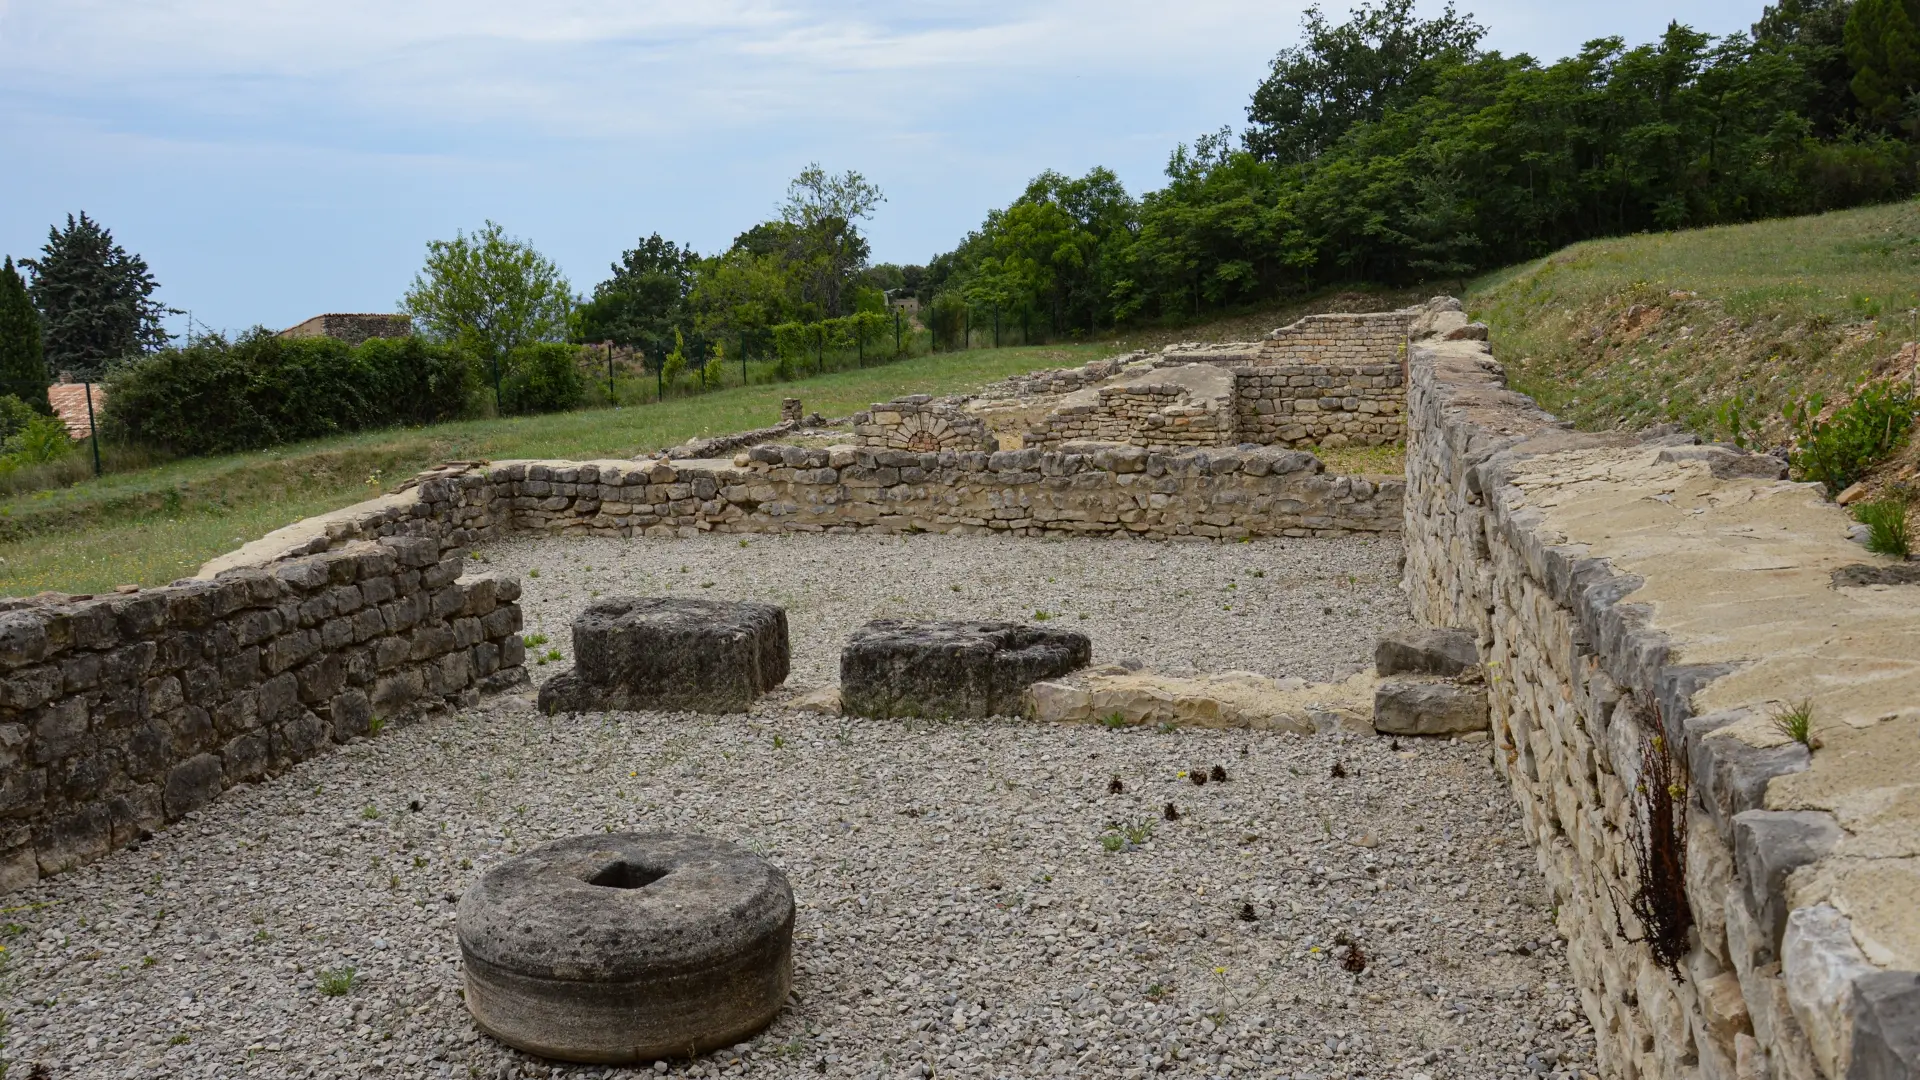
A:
<point x="1041" y="616"/>
<point x="1140" y="832"/>
<point x="1113" y="842"/>
<point x="1795" y="721"/>
<point x="1171" y="813"/>
<point x="533" y="640"/>
<point x="1113" y="721"/>
<point x="1197" y="777"/>
<point x="1115" y="787"/>
<point x="1888" y="530"/>
<point x="180" y="1039"/>
<point x="376" y="725"/>
<point x="1338" y="772"/>
<point x="1217" y="774"/>
<point x="335" y="982"/>
<point x="1166" y="727"/>
<point x="369" y="812"/>
<point x="535" y="572"/>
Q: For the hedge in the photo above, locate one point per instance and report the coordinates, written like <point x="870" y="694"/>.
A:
<point x="216" y="396"/>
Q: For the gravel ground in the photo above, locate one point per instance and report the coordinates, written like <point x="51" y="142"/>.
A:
<point x="974" y="901"/>
<point x="1310" y="608"/>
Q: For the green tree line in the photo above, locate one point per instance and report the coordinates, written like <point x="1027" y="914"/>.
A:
<point x="1393" y="149"/>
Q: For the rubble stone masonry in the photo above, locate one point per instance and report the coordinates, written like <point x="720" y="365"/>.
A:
<point x="1626" y="591"/>
<point x="121" y="714"/>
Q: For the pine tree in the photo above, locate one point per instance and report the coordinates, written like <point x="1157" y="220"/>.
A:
<point x="23" y="365"/>
<point x="1883" y="45"/>
<point x="96" y="299"/>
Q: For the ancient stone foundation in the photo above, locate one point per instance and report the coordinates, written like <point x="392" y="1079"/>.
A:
<point x="1638" y="603"/>
<point x="120" y="714"/>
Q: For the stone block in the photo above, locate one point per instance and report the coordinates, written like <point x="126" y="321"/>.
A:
<point x="956" y="669"/>
<point x="1886" y="1026"/>
<point x="1819" y="963"/>
<point x="1429" y="707"/>
<point x="1445" y="651"/>
<point x="1768" y="845"/>
<point x="192" y="784"/>
<point x="667" y="653"/>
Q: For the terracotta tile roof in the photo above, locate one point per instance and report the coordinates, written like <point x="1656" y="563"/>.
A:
<point x="69" y="401"/>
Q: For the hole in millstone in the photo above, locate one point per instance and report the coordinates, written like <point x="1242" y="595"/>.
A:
<point x="626" y="875"/>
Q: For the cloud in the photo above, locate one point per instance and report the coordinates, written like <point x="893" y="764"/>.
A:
<point x="582" y="69"/>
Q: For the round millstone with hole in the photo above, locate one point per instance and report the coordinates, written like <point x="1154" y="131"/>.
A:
<point x="618" y="948"/>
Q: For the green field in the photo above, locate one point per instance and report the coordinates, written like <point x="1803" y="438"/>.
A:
<point x="1693" y="326"/>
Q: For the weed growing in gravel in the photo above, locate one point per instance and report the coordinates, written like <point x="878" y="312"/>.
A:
<point x="1113" y="720"/>
<point x="1888" y="530"/>
<point x="180" y="1039"/>
<point x="778" y="741"/>
<point x="1217" y="774"/>
<point x="1041" y="616"/>
<point x="335" y="982"/>
<point x="369" y="812"/>
<point x="1171" y="813"/>
<point x="532" y="640"/>
<point x="1113" y="842"/>
<point x="1795" y="721"/>
<point x="261" y="937"/>
<point x="1115" y="787"/>
<point x="535" y="572"/>
<point x="376" y="725"/>
<point x="1167" y="727"/>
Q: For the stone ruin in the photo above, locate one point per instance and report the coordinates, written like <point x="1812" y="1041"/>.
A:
<point x="1630" y="602"/>
<point x="920" y="424"/>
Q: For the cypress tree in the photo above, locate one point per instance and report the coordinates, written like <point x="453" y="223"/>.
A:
<point x="96" y="300"/>
<point x="23" y="366"/>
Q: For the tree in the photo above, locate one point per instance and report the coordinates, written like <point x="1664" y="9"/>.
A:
<point x="1812" y="33"/>
<point x="1344" y="75"/>
<point x="491" y="294"/>
<point x="95" y="300"/>
<point x="826" y="248"/>
<point x="23" y="363"/>
<point x="644" y="300"/>
<point x="1883" y="45"/>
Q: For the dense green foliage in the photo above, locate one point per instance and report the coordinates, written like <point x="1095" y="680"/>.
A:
<point x="1837" y="450"/>
<point x="259" y="390"/>
<point x="543" y="377"/>
<point x="1390" y="149"/>
<point x="644" y="300"/>
<point x="23" y="364"/>
<point x="95" y="300"/>
<point x="491" y="295"/>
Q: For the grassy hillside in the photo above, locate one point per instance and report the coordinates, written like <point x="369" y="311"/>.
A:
<point x="154" y="525"/>
<point x="1717" y="328"/>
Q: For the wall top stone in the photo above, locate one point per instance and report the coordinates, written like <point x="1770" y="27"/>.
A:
<point x="1716" y="594"/>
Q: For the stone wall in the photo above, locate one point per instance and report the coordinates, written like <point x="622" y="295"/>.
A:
<point x="917" y="422"/>
<point x="1375" y="338"/>
<point x="1625" y="592"/>
<point x="352" y="329"/>
<point x="1322" y="404"/>
<point x="120" y="714"/>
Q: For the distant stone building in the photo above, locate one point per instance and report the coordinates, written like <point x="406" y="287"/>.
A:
<point x="906" y="303"/>
<point x="352" y="329"/>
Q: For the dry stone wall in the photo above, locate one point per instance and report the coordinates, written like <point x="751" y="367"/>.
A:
<point x="918" y="422"/>
<point x="1634" y="598"/>
<point x="1155" y="415"/>
<point x="120" y="714"/>
<point x="1322" y="404"/>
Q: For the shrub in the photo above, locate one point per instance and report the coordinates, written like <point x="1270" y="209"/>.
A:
<point x="543" y="378"/>
<point x="1888" y="530"/>
<point x="1838" y="451"/>
<point x="216" y="396"/>
<point x="15" y="415"/>
<point x="41" y="441"/>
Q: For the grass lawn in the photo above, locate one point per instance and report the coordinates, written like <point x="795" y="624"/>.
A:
<point x="1697" y="326"/>
<point x="155" y="525"/>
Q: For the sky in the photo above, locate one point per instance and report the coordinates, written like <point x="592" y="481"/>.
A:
<point x="276" y="159"/>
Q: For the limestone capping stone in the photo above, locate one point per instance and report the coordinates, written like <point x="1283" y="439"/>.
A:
<point x="627" y="948"/>
<point x="121" y="714"/>
<point x="1621" y="590"/>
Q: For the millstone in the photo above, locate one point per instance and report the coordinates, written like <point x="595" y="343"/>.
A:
<point x="618" y="948"/>
<point x="669" y="653"/>
<point x="951" y="669"/>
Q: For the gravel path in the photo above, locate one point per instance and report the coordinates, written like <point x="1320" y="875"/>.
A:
<point x="1310" y="608"/>
<point x="960" y="911"/>
<point x="974" y="901"/>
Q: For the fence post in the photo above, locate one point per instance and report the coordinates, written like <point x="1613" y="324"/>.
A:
<point x="611" y="400"/>
<point x="93" y="429"/>
<point x="896" y="331"/>
<point x="740" y="339"/>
